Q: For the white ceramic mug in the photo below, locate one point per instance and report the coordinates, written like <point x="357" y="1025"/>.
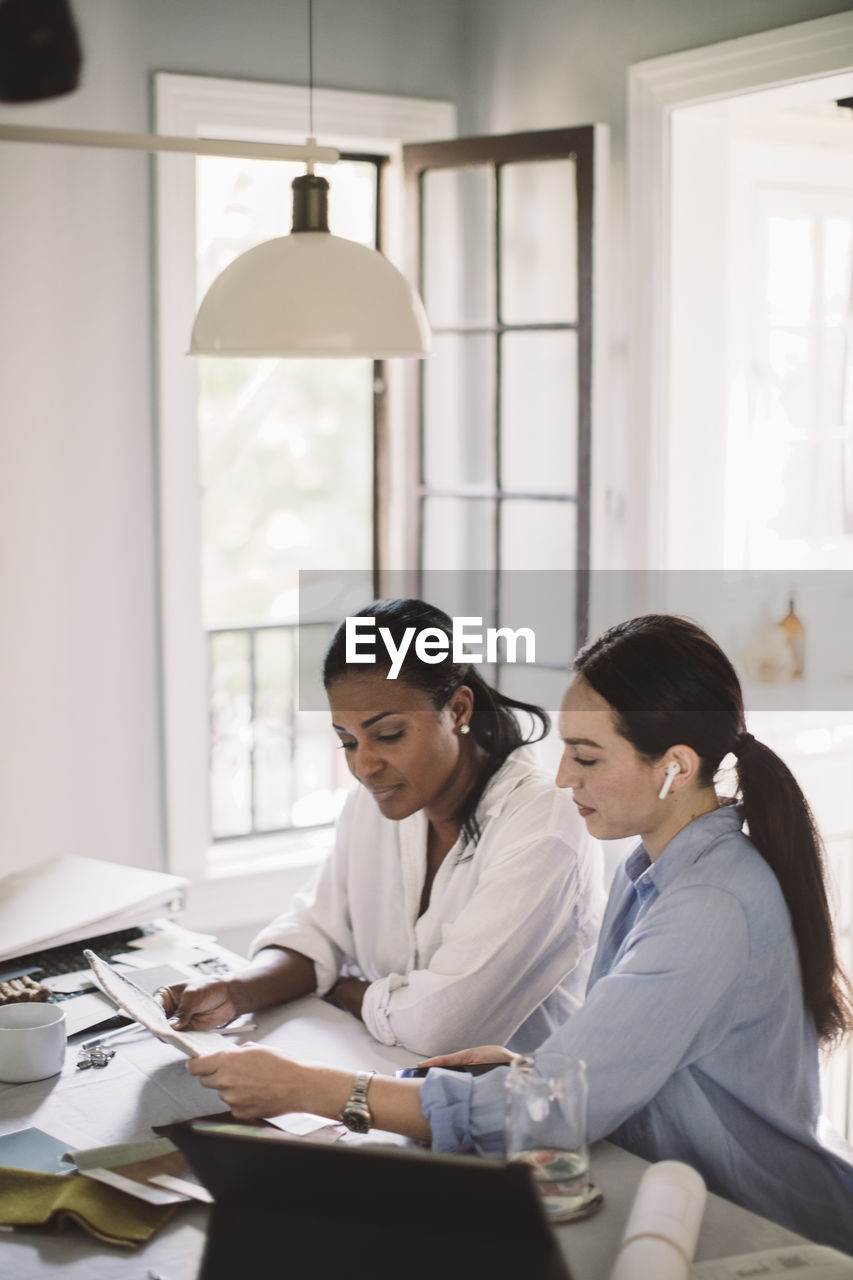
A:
<point x="32" y="1041"/>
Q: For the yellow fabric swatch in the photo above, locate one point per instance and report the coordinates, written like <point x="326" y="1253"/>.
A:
<point x="47" y="1199"/>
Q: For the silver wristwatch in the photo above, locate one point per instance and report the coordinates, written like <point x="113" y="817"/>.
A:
<point x="356" y="1114"/>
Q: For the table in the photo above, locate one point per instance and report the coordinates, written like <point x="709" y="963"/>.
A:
<point x="147" y="1083"/>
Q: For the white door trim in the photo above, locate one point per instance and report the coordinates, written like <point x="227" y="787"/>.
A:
<point x="770" y="59"/>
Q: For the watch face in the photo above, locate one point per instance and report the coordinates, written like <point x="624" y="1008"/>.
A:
<point x="356" y="1119"/>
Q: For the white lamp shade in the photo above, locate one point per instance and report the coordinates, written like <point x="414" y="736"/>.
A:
<point x="311" y="294"/>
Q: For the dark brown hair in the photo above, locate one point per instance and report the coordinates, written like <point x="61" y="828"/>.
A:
<point x="494" y="726"/>
<point x="668" y="682"/>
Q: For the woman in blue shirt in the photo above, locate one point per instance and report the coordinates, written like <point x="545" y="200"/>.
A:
<point x="715" y="979"/>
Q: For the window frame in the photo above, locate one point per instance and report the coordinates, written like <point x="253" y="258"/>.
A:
<point x="586" y="146"/>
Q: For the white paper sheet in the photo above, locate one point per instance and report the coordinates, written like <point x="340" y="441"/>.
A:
<point x="302" y="1122"/>
<point x="82" y="1012"/>
<point x="114" y="1166"/>
<point x="167" y="953"/>
<point x="806" y="1262"/>
<point x="68" y="983"/>
<point x="169" y="932"/>
<point x="143" y="1008"/>
<point x="69" y="899"/>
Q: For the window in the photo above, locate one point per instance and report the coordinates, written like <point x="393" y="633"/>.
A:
<point x="196" y="604"/>
<point x="791" y="416"/>
<point x="503" y="427"/>
<point x="286" y="484"/>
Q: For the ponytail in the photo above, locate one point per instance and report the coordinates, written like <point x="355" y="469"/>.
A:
<point x="781" y="826"/>
<point x="667" y="681"/>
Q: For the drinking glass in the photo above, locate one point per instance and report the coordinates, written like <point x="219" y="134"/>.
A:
<point x="546" y="1129"/>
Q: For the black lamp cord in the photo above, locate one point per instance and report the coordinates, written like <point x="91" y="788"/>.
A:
<point x="311" y="68"/>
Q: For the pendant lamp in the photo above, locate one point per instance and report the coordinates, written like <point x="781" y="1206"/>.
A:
<point x="311" y="293"/>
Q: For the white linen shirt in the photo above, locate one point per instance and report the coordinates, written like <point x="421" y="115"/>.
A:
<point x="503" y="950"/>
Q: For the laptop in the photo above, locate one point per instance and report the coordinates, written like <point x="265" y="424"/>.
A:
<point x="295" y="1209"/>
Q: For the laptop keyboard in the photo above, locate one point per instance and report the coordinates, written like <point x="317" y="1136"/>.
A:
<point x="70" y="958"/>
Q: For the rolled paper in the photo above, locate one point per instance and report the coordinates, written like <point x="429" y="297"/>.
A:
<point x="663" y="1225"/>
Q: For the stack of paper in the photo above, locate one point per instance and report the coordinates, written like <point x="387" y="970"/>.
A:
<point x="66" y="900"/>
<point x="153" y="1170"/>
<point x="805" y="1261"/>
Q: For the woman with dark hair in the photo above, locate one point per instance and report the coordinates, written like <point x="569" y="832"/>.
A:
<point x="715" y="979"/>
<point x="463" y="896"/>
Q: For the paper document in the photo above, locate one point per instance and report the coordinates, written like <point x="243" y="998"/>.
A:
<point x="69" y="899"/>
<point x="32" y="1149"/>
<point x="806" y="1262"/>
<point x="70" y="984"/>
<point x="301" y="1122"/>
<point x="88" y="1010"/>
<point x="148" y="1011"/>
<point x="154" y="1170"/>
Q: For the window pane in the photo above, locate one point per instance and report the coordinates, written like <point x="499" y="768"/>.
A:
<point x="539" y="407"/>
<point x="790" y="269"/>
<point x="463" y="594"/>
<point x="285" y="446"/>
<point x="320" y="778"/>
<point x="542" y="687"/>
<point x="831" y="374"/>
<point x="273" y="730"/>
<point x="286" y="467"/>
<point x="458" y="531"/>
<point x="459" y="427"/>
<point x="239" y="203"/>
<point x="543" y="601"/>
<point x="230" y="735"/>
<point x="286" y="472"/>
<point x="538" y="535"/>
<point x="458" y="246"/>
<point x="538" y="245"/>
<point x="836" y="270"/>
<point x="789" y="357"/>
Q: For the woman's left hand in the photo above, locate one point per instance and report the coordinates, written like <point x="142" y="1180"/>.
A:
<point x="252" y="1081"/>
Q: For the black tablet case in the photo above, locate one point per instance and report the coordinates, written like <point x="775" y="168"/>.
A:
<point x="292" y="1209"/>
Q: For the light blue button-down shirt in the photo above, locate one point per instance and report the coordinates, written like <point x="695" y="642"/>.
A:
<point x="697" y="1042"/>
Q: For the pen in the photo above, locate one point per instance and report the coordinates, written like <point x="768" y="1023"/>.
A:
<point x="109" y="1035"/>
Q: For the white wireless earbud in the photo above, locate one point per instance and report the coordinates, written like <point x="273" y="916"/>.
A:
<point x="671" y="771"/>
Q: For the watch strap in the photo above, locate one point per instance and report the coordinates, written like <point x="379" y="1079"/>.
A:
<point x="356" y="1113"/>
<point x="361" y="1084"/>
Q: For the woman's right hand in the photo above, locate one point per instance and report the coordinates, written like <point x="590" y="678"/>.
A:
<point x="200" y="1005"/>
<point x="466" y="1057"/>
